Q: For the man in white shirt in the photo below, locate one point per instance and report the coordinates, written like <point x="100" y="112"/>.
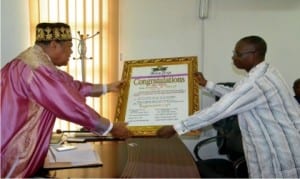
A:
<point x="268" y="114"/>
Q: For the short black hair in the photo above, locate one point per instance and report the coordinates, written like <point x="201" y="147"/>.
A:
<point x="259" y="43"/>
<point x="296" y="83"/>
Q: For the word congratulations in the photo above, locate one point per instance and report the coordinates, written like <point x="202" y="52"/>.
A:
<point x="152" y="81"/>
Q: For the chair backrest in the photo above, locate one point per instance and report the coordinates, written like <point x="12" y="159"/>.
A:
<point x="231" y="142"/>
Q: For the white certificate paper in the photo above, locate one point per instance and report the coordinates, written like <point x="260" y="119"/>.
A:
<point x="158" y="95"/>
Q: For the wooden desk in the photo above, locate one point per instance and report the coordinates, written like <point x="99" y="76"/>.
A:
<point x="138" y="158"/>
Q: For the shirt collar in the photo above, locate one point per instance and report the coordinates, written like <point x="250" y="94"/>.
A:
<point x="40" y="50"/>
<point x="258" y="69"/>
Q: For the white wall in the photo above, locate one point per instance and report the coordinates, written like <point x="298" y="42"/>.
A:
<point x="168" y="28"/>
<point x="275" y="20"/>
<point x="0" y="30"/>
<point x="156" y="28"/>
<point x="14" y="29"/>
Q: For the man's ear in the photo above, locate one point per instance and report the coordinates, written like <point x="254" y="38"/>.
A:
<point x="52" y="48"/>
<point x="53" y="44"/>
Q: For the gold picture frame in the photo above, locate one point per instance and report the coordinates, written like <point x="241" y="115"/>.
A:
<point x="157" y="89"/>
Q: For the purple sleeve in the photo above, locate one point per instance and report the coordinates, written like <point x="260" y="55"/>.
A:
<point x="83" y="88"/>
<point x="60" y="94"/>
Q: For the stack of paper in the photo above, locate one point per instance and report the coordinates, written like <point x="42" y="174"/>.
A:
<point x="83" y="155"/>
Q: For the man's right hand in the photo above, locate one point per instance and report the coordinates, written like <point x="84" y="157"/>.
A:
<point x="120" y="130"/>
<point x="200" y="78"/>
<point x="166" y="131"/>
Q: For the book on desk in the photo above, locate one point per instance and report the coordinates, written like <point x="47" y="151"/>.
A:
<point x="80" y="137"/>
<point x="79" y="155"/>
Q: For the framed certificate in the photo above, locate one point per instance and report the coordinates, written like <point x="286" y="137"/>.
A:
<point x="157" y="92"/>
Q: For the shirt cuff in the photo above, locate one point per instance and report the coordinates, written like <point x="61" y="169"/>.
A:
<point x="210" y="85"/>
<point x="180" y="128"/>
<point x="109" y="129"/>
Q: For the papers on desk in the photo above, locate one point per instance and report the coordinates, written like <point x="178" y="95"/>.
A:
<point x="83" y="155"/>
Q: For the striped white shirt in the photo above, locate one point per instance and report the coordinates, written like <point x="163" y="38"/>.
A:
<point x="269" y="119"/>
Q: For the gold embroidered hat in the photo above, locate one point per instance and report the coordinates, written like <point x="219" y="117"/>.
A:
<point x="46" y="32"/>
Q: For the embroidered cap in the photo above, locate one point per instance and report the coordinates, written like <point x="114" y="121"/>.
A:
<point x="46" y="32"/>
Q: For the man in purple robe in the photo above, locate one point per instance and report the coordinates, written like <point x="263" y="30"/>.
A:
<point x="34" y="92"/>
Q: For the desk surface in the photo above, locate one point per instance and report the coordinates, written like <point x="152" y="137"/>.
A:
<point x="138" y="158"/>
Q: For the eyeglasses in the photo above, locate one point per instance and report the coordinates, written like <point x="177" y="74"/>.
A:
<point x="241" y="54"/>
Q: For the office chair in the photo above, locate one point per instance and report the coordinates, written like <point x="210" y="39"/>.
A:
<point x="229" y="143"/>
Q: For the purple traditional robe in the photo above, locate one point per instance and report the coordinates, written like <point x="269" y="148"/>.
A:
<point x="33" y="93"/>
